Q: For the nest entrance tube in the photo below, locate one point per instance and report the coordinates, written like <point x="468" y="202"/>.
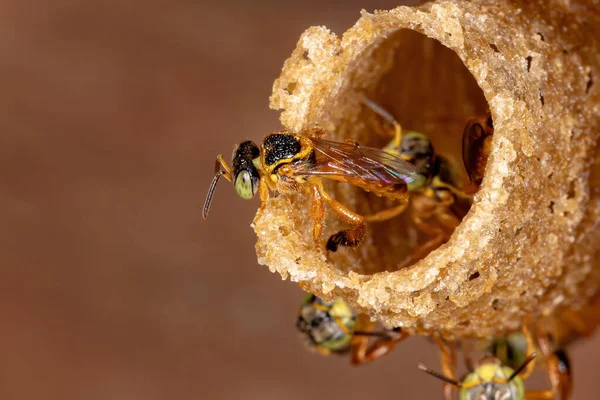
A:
<point x="512" y="256"/>
<point x="428" y="89"/>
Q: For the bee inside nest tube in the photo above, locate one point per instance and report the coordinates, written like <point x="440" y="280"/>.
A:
<point x="433" y="68"/>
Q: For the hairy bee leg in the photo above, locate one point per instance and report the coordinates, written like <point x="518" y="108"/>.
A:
<point x="388" y="213"/>
<point x="349" y="237"/>
<point x="362" y="353"/>
<point x="317" y="212"/>
<point x="448" y="361"/>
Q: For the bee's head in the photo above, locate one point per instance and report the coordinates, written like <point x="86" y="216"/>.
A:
<point x="245" y="175"/>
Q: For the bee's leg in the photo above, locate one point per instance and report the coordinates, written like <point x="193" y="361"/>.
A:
<point x="447" y="219"/>
<point x="439" y="237"/>
<point x="317" y="212"/>
<point x="388" y="213"/>
<point x="559" y="372"/>
<point x="530" y="349"/>
<point x="349" y="237"/>
<point x="263" y="193"/>
<point x="388" y="117"/>
<point x="222" y="163"/>
<point x="362" y="353"/>
<point x="448" y="361"/>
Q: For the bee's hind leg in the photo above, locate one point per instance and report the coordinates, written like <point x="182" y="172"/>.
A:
<point x="385" y="342"/>
<point x="388" y="213"/>
<point x="350" y="237"/>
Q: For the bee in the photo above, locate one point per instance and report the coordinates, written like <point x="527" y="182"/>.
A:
<point x="500" y="374"/>
<point x="333" y="327"/>
<point x="287" y="162"/>
<point x="437" y="203"/>
<point x="476" y="146"/>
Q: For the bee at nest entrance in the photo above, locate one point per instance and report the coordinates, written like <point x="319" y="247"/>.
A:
<point x="445" y="131"/>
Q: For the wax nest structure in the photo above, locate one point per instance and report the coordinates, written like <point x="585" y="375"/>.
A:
<point x="529" y="241"/>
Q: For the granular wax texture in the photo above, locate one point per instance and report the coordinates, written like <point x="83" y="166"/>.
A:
<point x="529" y="242"/>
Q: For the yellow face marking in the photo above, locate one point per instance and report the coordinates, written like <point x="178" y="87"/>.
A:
<point x="340" y="309"/>
<point x="487" y="372"/>
<point x="274" y="178"/>
<point x="341" y="325"/>
<point x="320" y="307"/>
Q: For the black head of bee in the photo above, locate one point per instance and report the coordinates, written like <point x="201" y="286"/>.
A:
<point x="244" y="173"/>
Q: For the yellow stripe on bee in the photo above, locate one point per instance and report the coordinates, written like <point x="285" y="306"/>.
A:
<point x="471" y="384"/>
<point x="306" y="147"/>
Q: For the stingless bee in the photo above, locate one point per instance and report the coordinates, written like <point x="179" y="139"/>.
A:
<point x="476" y="145"/>
<point x="288" y="162"/>
<point x="437" y="203"/>
<point x="333" y="327"/>
<point x="500" y="375"/>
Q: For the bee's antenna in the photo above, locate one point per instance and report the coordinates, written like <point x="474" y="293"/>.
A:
<point x="378" y="109"/>
<point x="439" y="376"/>
<point x="522" y="367"/>
<point x="209" y="196"/>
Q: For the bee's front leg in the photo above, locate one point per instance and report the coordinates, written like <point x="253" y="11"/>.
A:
<point x="263" y="193"/>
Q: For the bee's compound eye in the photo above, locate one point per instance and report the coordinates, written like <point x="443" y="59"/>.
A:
<point x="244" y="185"/>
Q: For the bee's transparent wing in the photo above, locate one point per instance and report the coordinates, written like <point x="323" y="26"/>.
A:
<point x="352" y="161"/>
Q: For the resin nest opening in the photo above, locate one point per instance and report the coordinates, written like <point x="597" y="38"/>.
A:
<point x="528" y="243"/>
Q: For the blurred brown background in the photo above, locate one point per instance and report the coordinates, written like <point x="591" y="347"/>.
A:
<point x="113" y="287"/>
